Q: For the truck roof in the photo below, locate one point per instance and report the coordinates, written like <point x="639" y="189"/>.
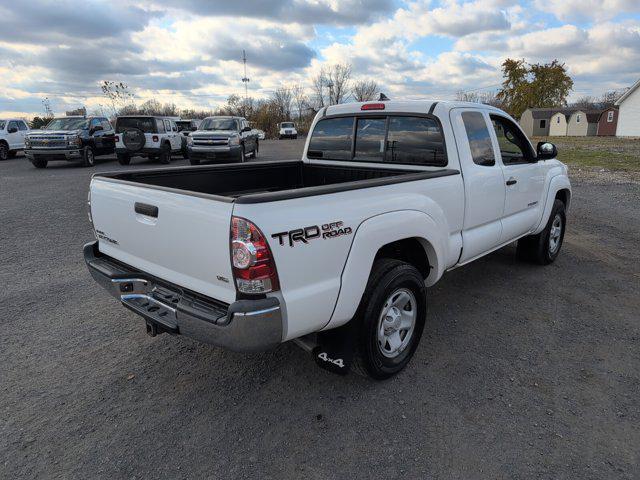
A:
<point x="409" y="106"/>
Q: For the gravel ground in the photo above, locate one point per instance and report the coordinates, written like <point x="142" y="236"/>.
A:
<point x="523" y="371"/>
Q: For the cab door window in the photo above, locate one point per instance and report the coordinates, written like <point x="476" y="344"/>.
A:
<point x="514" y="146"/>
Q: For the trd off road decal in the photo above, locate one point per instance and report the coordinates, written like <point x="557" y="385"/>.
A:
<point x="325" y="231"/>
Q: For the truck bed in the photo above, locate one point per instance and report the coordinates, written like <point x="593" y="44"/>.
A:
<point x="257" y="182"/>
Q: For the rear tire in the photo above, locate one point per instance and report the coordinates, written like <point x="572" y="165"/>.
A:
<point x="88" y="157"/>
<point x="39" y="162"/>
<point x="124" y="158"/>
<point x="544" y="247"/>
<point x="390" y="319"/>
<point x="165" y="154"/>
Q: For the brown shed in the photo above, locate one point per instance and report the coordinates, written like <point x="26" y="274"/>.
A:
<point x="608" y="122"/>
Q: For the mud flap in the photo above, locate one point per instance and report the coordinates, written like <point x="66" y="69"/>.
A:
<point x="335" y="348"/>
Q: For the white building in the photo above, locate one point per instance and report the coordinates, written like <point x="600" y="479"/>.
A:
<point x="629" y="114"/>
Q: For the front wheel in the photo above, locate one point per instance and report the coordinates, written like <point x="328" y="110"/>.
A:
<point x="256" y="149"/>
<point x="88" y="157"/>
<point x="544" y="247"/>
<point x="390" y="319"/>
<point x="4" y="151"/>
<point x="241" y="155"/>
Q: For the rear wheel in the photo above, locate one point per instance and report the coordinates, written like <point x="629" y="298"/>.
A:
<point x="544" y="247"/>
<point x="88" y="157"/>
<point x="4" y="151"/>
<point x="39" y="162"/>
<point x="390" y="319"/>
<point x="124" y="158"/>
<point x="165" y="154"/>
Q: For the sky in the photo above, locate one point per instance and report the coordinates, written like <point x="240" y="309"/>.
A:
<point x="189" y="52"/>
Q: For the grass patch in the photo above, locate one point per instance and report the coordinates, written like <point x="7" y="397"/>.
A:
<point x="616" y="154"/>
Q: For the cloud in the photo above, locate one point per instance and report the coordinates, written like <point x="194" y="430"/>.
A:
<point x="334" y="12"/>
<point x="581" y="10"/>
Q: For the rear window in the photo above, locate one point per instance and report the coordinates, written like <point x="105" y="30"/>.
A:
<point x="400" y="139"/>
<point x="146" y="124"/>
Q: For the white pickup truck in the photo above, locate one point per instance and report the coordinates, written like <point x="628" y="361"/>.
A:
<point x="336" y="250"/>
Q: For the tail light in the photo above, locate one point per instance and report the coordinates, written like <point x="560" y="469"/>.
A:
<point x="254" y="268"/>
<point x="154" y="138"/>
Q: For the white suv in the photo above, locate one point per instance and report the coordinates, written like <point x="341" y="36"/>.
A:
<point x="12" y="133"/>
<point x="147" y="136"/>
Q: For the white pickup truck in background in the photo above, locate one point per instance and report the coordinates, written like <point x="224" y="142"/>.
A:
<point x="336" y="250"/>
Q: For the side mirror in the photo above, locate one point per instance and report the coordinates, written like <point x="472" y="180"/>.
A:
<point x="12" y="129"/>
<point x="97" y="128"/>
<point x="246" y="129"/>
<point x="546" y="151"/>
<point x="193" y="128"/>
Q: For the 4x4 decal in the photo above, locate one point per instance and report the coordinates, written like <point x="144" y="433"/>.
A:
<point x="304" y="235"/>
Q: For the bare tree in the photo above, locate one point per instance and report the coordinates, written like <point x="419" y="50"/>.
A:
<point x="318" y="84"/>
<point x="585" y="103"/>
<point x="462" y="96"/>
<point x="364" y="90"/>
<point x="117" y="92"/>
<point x="283" y="97"/>
<point x="338" y="77"/>
<point x="299" y="98"/>
<point x="608" y="99"/>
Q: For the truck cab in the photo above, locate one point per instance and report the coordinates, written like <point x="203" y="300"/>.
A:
<point x="287" y="130"/>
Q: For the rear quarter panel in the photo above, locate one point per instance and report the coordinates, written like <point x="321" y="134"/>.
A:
<point x="311" y="273"/>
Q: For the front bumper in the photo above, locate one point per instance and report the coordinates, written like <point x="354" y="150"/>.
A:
<point x="197" y="152"/>
<point x="244" y="326"/>
<point x="68" y="154"/>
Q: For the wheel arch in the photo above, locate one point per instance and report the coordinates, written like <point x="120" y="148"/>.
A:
<point x="408" y="235"/>
<point x="559" y="187"/>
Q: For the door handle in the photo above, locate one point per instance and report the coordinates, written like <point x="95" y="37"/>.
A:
<point x="512" y="181"/>
<point x="146" y="209"/>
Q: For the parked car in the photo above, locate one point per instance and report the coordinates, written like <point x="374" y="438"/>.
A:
<point x="287" y="130"/>
<point x="12" y="134"/>
<point x="152" y="137"/>
<point x="222" y="138"/>
<point x="336" y="250"/>
<point x="71" y="139"/>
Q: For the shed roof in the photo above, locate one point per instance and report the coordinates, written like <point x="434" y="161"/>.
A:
<point x="626" y="95"/>
<point x="542" y="113"/>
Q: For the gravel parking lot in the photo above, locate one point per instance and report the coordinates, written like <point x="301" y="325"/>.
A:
<point x="523" y="371"/>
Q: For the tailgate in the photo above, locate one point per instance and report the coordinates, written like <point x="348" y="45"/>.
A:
<point x="180" y="238"/>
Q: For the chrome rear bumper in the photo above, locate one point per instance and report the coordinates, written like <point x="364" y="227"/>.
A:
<point x="245" y="325"/>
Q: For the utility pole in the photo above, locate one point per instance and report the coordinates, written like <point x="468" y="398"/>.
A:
<point x="330" y="86"/>
<point x="47" y="107"/>
<point x="245" y="80"/>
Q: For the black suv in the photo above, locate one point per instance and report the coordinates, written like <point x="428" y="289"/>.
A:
<point x="72" y="139"/>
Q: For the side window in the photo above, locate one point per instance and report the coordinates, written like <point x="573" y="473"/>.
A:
<point x="22" y="126"/>
<point x="610" y="116"/>
<point x="416" y="140"/>
<point x="94" y="122"/>
<point x="578" y="118"/>
<point x="12" y="124"/>
<point x="479" y="139"/>
<point x="514" y="147"/>
<point x="167" y="125"/>
<point x="558" y="119"/>
<point x="160" y="125"/>
<point x="331" y="139"/>
<point x="105" y="124"/>
<point x="370" y="133"/>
